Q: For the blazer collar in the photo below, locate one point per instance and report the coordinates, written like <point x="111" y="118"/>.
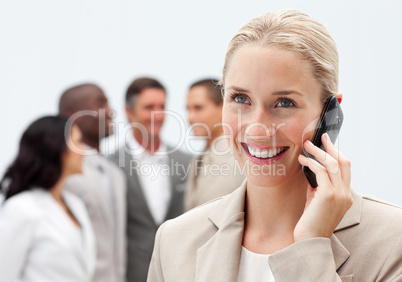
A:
<point x="98" y="198"/>
<point x="351" y="218"/>
<point x="219" y="258"/>
<point x="60" y="220"/>
<point x="221" y="254"/>
<point x="353" y="215"/>
<point x="234" y="204"/>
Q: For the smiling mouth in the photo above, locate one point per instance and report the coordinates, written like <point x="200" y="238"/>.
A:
<point x="264" y="153"/>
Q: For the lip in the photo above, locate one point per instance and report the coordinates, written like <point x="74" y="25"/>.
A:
<point x="266" y="161"/>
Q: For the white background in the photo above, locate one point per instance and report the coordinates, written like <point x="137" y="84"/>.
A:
<point x="47" y="46"/>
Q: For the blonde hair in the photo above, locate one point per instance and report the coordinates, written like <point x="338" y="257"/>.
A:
<point x="297" y="32"/>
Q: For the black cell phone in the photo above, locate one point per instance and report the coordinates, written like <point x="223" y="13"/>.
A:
<point x="330" y="122"/>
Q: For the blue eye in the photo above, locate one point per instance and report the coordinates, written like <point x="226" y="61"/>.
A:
<point x="240" y="98"/>
<point x="285" y="103"/>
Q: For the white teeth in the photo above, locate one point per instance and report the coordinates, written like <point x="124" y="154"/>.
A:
<point x="256" y="152"/>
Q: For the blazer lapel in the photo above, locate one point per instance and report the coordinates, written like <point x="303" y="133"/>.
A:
<point x="98" y="194"/>
<point x="351" y="218"/>
<point x="86" y="250"/>
<point x="63" y="223"/>
<point x="218" y="259"/>
<point x="190" y="193"/>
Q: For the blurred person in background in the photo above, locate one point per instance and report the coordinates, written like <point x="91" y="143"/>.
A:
<point x="101" y="186"/>
<point x="45" y="232"/>
<point x="155" y="173"/>
<point x="214" y="173"/>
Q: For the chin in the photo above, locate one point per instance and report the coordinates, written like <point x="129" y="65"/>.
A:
<point x="273" y="177"/>
<point x="154" y="134"/>
<point x="200" y="132"/>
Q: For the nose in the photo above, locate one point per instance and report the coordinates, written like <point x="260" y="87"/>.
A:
<point x="260" y="124"/>
<point x="109" y="111"/>
<point x="190" y="117"/>
<point x="158" y="116"/>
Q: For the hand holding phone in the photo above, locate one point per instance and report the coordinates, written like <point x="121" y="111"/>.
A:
<point x="330" y="122"/>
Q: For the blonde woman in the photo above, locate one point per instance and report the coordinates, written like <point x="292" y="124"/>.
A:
<point x="279" y="70"/>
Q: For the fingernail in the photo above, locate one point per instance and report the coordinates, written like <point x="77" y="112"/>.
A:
<point x="327" y="136"/>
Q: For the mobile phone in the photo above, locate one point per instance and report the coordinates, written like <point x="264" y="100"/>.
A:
<point x="330" y="122"/>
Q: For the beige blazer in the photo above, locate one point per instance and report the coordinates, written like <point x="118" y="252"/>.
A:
<point x="109" y="226"/>
<point x="212" y="175"/>
<point x="205" y="245"/>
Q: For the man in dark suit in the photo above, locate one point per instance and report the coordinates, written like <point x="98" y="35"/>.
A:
<point x="155" y="172"/>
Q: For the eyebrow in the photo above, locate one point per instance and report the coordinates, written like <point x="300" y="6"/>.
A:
<point x="238" y="89"/>
<point x="287" y="92"/>
<point x="279" y="93"/>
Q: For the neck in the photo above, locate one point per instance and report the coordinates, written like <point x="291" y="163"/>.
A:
<point x="153" y="142"/>
<point x="272" y="214"/>
<point x="57" y="189"/>
<point x="92" y="143"/>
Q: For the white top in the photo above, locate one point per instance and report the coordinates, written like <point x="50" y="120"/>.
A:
<point x="39" y="242"/>
<point x="254" y="267"/>
<point x="154" y="176"/>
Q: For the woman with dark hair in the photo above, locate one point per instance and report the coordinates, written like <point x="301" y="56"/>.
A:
<point x="45" y="233"/>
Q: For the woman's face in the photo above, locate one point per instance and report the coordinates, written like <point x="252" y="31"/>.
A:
<point x="271" y="104"/>
<point x="72" y="157"/>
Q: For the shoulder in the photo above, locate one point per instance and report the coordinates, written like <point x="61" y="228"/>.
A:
<point x="374" y="222"/>
<point x="28" y="205"/>
<point x="371" y="233"/>
<point x="381" y="212"/>
<point x="119" y="155"/>
<point x="114" y="168"/>
<point x="179" y="156"/>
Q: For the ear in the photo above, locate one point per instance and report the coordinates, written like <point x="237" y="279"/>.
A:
<point x="129" y="114"/>
<point x="339" y="97"/>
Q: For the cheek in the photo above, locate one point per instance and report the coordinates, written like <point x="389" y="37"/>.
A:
<point x="230" y="123"/>
<point x="299" y="129"/>
<point x="144" y="117"/>
<point x="295" y="131"/>
<point x="159" y="117"/>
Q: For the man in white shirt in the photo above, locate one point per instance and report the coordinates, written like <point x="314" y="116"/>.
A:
<point x="155" y="174"/>
<point x="102" y="185"/>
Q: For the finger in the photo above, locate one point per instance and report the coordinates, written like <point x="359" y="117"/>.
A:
<point x="344" y="163"/>
<point x="330" y="149"/>
<point x="331" y="164"/>
<point x="319" y="170"/>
